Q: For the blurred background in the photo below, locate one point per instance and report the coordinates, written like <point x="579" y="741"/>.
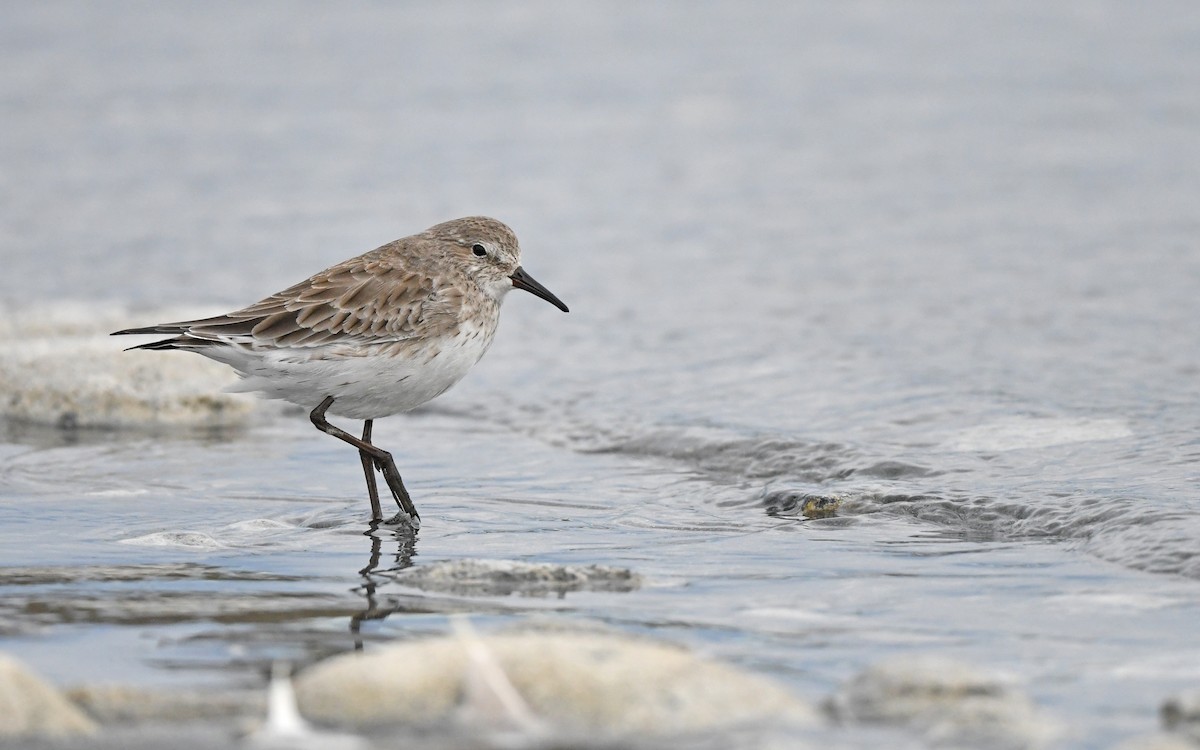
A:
<point x="937" y="261"/>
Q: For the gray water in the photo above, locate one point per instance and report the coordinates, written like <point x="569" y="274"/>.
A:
<point x="936" y="260"/>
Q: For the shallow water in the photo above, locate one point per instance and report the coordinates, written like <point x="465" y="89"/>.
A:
<point x="938" y="262"/>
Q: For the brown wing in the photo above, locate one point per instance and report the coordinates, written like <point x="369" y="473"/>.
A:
<point x="364" y="300"/>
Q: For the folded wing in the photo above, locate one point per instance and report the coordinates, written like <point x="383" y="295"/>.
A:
<point x="362" y="301"/>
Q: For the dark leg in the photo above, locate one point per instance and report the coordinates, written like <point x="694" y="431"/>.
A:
<point x="381" y="458"/>
<point x="369" y="469"/>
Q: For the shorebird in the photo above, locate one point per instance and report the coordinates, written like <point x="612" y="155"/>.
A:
<point x="372" y="336"/>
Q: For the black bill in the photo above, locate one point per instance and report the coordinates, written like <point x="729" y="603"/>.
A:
<point x="522" y="280"/>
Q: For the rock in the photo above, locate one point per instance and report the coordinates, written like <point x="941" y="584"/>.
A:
<point x="58" y="366"/>
<point x="948" y="702"/>
<point x="504" y="577"/>
<point x="789" y="503"/>
<point x="122" y="704"/>
<point x="574" y="682"/>
<point x="1156" y="742"/>
<point x="31" y="707"/>
<point x="1181" y="715"/>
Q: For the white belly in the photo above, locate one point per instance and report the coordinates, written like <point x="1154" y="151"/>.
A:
<point x="366" y="382"/>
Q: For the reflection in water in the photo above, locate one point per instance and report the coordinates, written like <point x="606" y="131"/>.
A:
<point x="406" y="547"/>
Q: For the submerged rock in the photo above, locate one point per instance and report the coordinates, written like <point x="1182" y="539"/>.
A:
<point x="124" y="704"/>
<point x="799" y="503"/>
<point x="58" y="366"/>
<point x="504" y="577"/>
<point x="29" y="707"/>
<point x="1181" y="715"/>
<point x="948" y="702"/>
<point x="573" y="682"/>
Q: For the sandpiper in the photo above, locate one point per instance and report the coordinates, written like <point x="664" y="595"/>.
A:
<point x="372" y="336"/>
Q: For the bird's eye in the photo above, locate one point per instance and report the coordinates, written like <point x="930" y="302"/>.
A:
<point x="479" y="250"/>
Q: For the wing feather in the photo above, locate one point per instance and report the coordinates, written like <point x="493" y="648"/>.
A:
<point x="364" y="300"/>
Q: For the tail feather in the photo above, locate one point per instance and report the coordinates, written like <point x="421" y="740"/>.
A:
<point x="185" y="335"/>
<point x="216" y="328"/>
<point x="175" y="328"/>
<point x="180" y="342"/>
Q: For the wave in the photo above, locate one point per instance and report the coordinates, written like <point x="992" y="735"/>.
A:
<point x="792" y="476"/>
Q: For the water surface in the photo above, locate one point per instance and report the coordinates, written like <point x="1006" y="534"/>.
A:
<point x="938" y="262"/>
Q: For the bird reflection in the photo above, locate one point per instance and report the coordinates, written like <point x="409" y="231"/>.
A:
<point x="405" y="540"/>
